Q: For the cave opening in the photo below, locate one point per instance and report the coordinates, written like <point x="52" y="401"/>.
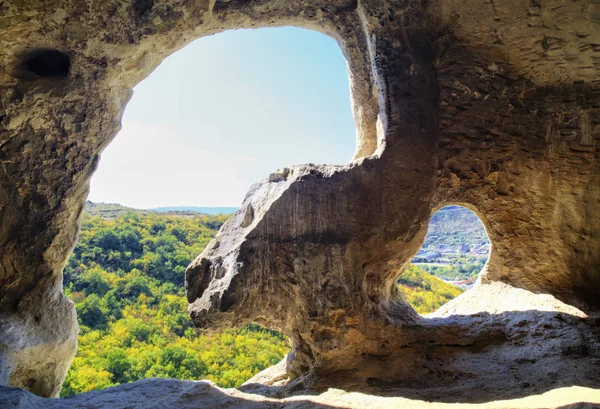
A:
<point x="455" y="251"/>
<point x="218" y="115"/>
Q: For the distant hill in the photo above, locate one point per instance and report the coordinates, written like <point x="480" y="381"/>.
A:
<point x="456" y="229"/>
<point x="196" y="209"/>
<point x="114" y="210"/>
<point x="109" y="210"/>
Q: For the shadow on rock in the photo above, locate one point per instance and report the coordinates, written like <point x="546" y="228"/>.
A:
<point x="476" y="358"/>
<point x="151" y="393"/>
<point x="487" y="357"/>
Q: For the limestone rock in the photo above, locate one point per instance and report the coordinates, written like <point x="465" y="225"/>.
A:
<point x="171" y="393"/>
<point x="495" y="106"/>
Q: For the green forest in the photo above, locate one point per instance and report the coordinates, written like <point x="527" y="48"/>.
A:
<point x="126" y="278"/>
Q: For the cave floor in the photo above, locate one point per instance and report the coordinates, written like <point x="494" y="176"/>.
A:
<point x="170" y="393"/>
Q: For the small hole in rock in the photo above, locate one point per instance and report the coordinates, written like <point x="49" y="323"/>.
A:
<point x="47" y="63"/>
<point x="455" y="251"/>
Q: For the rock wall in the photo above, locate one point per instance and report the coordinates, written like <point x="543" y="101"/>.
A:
<point x="495" y="106"/>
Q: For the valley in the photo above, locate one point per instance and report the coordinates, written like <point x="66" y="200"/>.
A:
<point x="126" y="278"/>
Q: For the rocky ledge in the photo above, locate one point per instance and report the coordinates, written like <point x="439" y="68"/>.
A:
<point x="171" y="393"/>
<point x="500" y="347"/>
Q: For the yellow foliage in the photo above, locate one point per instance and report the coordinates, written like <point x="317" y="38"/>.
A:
<point x="425" y="292"/>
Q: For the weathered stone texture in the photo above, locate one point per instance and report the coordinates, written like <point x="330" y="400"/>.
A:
<point x="494" y="105"/>
<point x="171" y="393"/>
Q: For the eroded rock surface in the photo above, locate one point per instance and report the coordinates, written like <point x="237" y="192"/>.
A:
<point x="171" y="393"/>
<point x="501" y="347"/>
<point x="495" y="106"/>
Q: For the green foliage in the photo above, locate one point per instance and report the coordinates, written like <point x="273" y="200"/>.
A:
<point x="158" y="245"/>
<point x="459" y="267"/>
<point x="117" y="363"/>
<point x="126" y="279"/>
<point x="90" y="313"/>
<point x="91" y="282"/>
<point x="425" y="292"/>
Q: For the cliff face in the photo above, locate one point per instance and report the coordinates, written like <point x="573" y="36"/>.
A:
<point x="495" y="106"/>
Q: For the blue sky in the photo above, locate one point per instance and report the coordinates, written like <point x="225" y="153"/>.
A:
<point x="223" y="113"/>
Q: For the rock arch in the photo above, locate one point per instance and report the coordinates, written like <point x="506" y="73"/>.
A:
<point x="495" y="105"/>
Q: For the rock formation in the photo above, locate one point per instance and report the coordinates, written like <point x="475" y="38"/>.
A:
<point x="473" y="111"/>
<point x="495" y="106"/>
